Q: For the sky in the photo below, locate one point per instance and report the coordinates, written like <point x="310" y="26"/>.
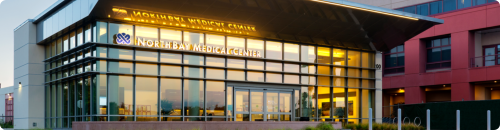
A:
<point x="12" y="14"/>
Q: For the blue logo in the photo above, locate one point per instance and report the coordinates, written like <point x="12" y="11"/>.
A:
<point x="122" y="38"/>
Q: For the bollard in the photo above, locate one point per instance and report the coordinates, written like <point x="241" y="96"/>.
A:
<point x="428" y="119"/>
<point x="488" y="120"/>
<point x="399" y="118"/>
<point x="458" y="119"/>
<point x="370" y="119"/>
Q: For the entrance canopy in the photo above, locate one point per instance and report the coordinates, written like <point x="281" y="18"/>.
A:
<point x="323" y="22"/>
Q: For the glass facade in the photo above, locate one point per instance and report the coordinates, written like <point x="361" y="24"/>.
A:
<point x="440" y="6"/>
<point x="116" y="82"/>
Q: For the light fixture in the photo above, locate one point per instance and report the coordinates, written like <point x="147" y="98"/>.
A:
<point x="495" y="81"/>
<point x="444" y="85"/>
<point x="20" y="85"/>
<point x="369" y="10"/>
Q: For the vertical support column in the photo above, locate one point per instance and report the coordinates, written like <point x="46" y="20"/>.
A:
<point x="458" y="119"/>
<point x="29" y="73"/>
<point x="399" y="118"/>
<point x="428" y="119"/>
<point x="378" y="91"/>
<point x="414" y="95"/>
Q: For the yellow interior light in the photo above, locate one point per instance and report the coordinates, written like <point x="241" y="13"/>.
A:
<point x="369" y="10"/>
<point x="401" y="91"/>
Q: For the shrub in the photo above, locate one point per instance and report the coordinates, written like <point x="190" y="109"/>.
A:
<point x="383" y="126"/>
<point x="324" y="126"/>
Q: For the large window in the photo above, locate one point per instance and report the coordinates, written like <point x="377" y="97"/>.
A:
<point x="395" y="60"/>
<point x="440" y="6"/>
<point x="438" y="53"/>
<point x="155" y="83"/>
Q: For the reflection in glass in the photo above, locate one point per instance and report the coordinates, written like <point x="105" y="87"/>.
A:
<point x="257" y="47"/>
<point x="353" y="105"/>
<point x="338" y="81"/>
<point x="257" y="117"/>
<point x="215" y="73"/>
<point x="194" y="72"/>
<point x="323" y="80"/>
<point x="285" y="102"/>
<point x="146" y="96"/>
<point x="324" y="56"/>
<point x="120" y="67"/>
<point x="291" y="52"/>
<point x="216" y="101"/>
<point x="274" y="77"/>
<point x="324" y="102"/>
<point x="194" y="59"/>
<point x="101" y="31"/>
<point x="257" y="101"/>
<point x="353" y="72"/>
<point x="79" y="37"/>
<point x="65" y="43"/>
<point x="255" y="76"/>
<point x="368" y="83"/>
<point x="216" y="61"/>
<point x="324" y="70"/>
<point x="272" y="102"/>
<point x="337" y="71"/>
<point x="353" y="82"/>
<point x="242" y="102"/>
<point x="193" y="97"/>
<point x="308" y="69"/>
<point x="72" y="40"/>
<point x="101" y="52"/>
<point x="235" y="43"/>
<point x="368" y="60"/>
<point x="242" y="117"/>
<point x="101" y="66"/>
<point x="146" y="55"/>
<point x="170" y="70"/>
<point x="121" y="53"/>
<point x="308" y="54"/>
<point x="170" y="36"/>
<point x="353" y="58"/>
<point x="308" y="80"/>
<point x="291" y="79"/>
<point x="171" y="97"/>
<point x="170" y="57"/>
<point x="308" y="102"/>
<point x="257" y="65"/>
<point x="339" y="103"/>
<point x="146" y="33"/>
<point x="235" y="75"/>
<point x="214" y="41"/>
<point x="294" y="68"/>
<point x="368" y="74"/>
<point x="59" y="46"/>
<point x="236" y="63"/>
<point x="229" y="102"/>
<point x="338" y="57"/>
<point x="143" y="68"/>
<point x="120" y="95"/>
<point x="273" y="66"/>
<point x="285" y="117"/>
<point x="118" y="28"/>
<point x="193" y="38"/>
<point x="273" y="50"/>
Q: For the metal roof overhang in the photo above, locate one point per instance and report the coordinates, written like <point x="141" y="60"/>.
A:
<point x="335" y="23"/>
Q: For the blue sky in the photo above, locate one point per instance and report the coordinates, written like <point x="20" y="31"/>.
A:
<point x="12" y="14"/>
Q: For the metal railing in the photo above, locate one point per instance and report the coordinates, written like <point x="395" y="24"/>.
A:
<point x="482" y="61"/>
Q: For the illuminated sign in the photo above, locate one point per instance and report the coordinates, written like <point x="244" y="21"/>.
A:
<point x="180" y="21"/>
<point x="122" y="38"/>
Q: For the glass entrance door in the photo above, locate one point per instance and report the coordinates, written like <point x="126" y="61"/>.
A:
<point x="263" y="105"/>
